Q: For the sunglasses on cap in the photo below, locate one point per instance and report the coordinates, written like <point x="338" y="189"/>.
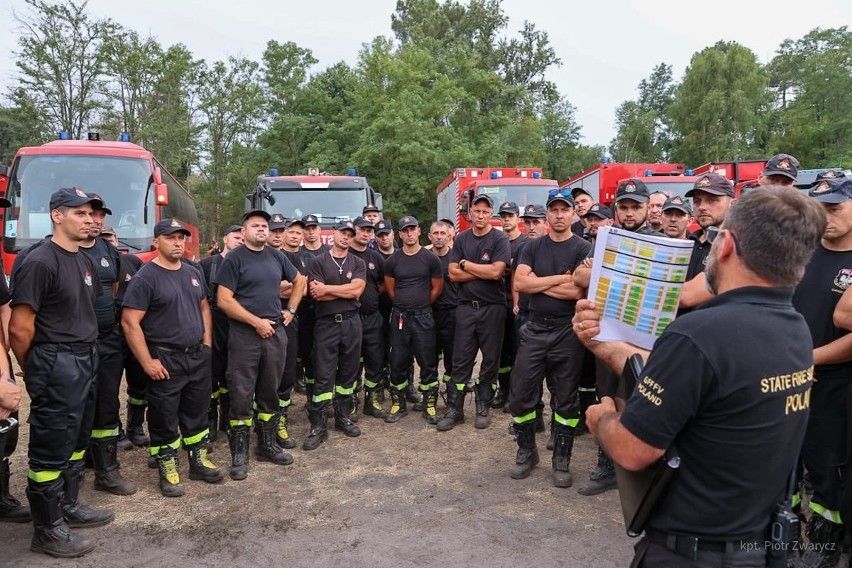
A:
<point x="563" y="192"/>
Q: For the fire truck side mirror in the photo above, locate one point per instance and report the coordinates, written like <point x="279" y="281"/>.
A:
<point x="161" y="194"/>
<point x="464" y="202"/>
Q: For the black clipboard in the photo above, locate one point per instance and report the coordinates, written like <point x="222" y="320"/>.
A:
<point x="640" y="491"/>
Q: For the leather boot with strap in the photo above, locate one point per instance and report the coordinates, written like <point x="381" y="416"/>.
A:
<point x="200" y="466"/>
<point x="77" y="514"/>
<point x="563" y="447"/>
<point x="398" y="408"/>
<point x="282" y="434"/>
<point x="135" y="429"/>
<point x="343" y="417"/>
<point x="602" y="477"/>
<point x="455" y="409"/>
<point x="527" y="456"/>
<point x="11" y="510"/>
<point x="268" y="449"/>
<point x="107" y="475"/>
<point x="168" y="465"/>
<point x="238" y="440"/>
<point x="51" y="534"/>
<point x="319" y="428"/>
<point x="373" y="403"/>
<point x="430" y="401"/>
<point x="484" y="396"/>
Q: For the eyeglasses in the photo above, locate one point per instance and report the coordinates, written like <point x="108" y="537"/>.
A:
<point x="563" y="192"/>
<point x="713" y="232"/>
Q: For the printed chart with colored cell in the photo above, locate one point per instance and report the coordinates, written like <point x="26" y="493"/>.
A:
<point x="636" y="284"/>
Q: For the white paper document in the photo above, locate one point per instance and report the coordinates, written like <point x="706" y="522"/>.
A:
<point x="636" y="284"/>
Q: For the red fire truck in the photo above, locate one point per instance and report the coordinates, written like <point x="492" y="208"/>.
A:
<point x="601" y="181"/>
<point x="523" y="186"/>
<point x="331" y="198"/>
<point x="135" y="186"/>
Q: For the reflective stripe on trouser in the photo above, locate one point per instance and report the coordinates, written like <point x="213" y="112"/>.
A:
<point x="554" y="352"/>
<point x="477" y="330"/>
<point x="337" y="350"/>
<point x="179" y="405"/>
<point x="373" y="349"/>
<point x="60" y="381"/>
<point x="417" y="338"/>
<point x="255" y="368"/>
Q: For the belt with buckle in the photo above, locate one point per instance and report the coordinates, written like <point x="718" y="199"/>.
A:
<point x="478" y="304"/>
<point x="339" y="317"/>
<point x="550" y="321"/>
<point x="689" y="546"/>
<point x="407" y="313"/>
<point x="177" y="348"/>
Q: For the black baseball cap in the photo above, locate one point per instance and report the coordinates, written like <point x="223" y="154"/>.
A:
<point x="103" y="206"/>
<point x="310" y="221"/>
<point x="482" y="197"/>
<point x="782" y="165"/>
<point x="383" y="228"/>
<point x="369" y="208"/>
<point x="233" y="229"/>
<point x="108" y="230"/>
<point x="294" y="221"/>
<point x="714" y="184"/>
<point x="277" y="221"/>
<point x="169" y="226"/>
<point x="344" y="226"/>
<point x="509" y="207"/>
<point x="363" y="223"/>
<point x="679" y="203"/>
<point x="576" y="190"/>
<point x="832" y="190"/>
<point x="830" y="174"/>
<point x="448" y="222"/>
<point x="533" y="211"/>
<point x="256" y="213"/>
<point x="407" y="221"/>
<point x="600" y="211"/>
<point x="559" y="194"/>
<point x="72" y="197"/>
<point x="634" y="189"/>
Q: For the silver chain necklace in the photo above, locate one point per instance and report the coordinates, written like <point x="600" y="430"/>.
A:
<point x="340" y="265"/>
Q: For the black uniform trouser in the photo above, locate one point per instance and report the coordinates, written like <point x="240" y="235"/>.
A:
<point x="655" y="555"/>
<point x="413" y="333"/>
<point x="445" y="335"/>
<point x="291" y="360"/>
<point x="60" y="380"/>
<point x="255" y="368"/>
<point x="337" y="351"/>
<point x="373" y="349"/>
<point x="521" y="319"/>
<point x="307" y="320"/>
<point x="219" y="357"/>
<point x="824" y="448"/>
<point x="178" y="405"/>
<point x="551" y="351"/>
<point x="110" y="367"/>
<point x="510" y="344"/>
<point x="478" y="329"/>
<point x="137" y="380"/>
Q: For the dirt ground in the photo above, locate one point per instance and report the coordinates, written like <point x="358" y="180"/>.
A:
<point x="400" y="495"/>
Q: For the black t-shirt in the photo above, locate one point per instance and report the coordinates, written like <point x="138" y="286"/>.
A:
<point x="60" y="286"/>
<point x="375" y="264"/>
<point x="322" y="248"/>
<point x="523" y="299"/>
<point x="578" y="229"/>
<point x="413" y="276"/>
<point x="255" y="278"/>
<point x="107" y="260"/>
<point x="449" y="293"/>
<point x="336" y="272"/>
<point x="209" y="267"/>
<point x="171" y="300"/>
<point x="547" y="257"/>
<point x="492" y="247"/>
<point x="736" y="413"/>
<point x="700" y="251"/>
<point x="827" y="276"/>
<point x="514" y="246"/>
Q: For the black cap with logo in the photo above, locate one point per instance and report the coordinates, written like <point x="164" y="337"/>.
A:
<point x="782" y="165"/>
<point x="533" y="211"/>
<point x="310" y="221"/>
<point x="509" y="207"/>
<point x="277" y="222"/>
<point x="599" y="210"/>
<point x="634" y="189"/>
<point x="835" y="190"/>
<point x="169" y="226"/>
<point x="714" y="184"/>
<point x="679" y="203"/>
<point x="72" y="197"/>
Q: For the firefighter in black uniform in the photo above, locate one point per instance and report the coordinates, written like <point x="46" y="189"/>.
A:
<point x="168" y="325"/>
<point x="219" y="397"/>
<point x="548" y="346"/>
<point x="739" y="419"/>
<point x="52" y="333"/>
<point x="336" y="281"/>
<point x="509" y="217"/>
<point x="249" y="287"/>
<point x="313" y="246"/>
<point x="827" y="276"/>
<point x="444" y="308"/>
<point x="110" y="344"/>
<point x="479" y="259"/>
<point x="414" y="281"/>
<point x="373" y="344"/>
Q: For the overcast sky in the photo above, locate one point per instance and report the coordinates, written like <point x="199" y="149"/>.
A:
<point x="606" y="47"/>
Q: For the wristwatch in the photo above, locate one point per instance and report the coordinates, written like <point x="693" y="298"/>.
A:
<point x="291" y="310"/>
<point x="462" y="262"/>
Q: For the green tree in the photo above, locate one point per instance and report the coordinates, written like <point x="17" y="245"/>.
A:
<point x="643" y="126"/>
<point x="719" y="109"/>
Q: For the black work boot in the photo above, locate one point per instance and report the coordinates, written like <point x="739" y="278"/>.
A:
<point x="353" y="412"/>
<point x="299" y="387"/>
<point x="268" y="449"/>
<point x="135" y="430"/>
<point x="430" y="410"/>
<point x="11" y="510"/>
<point x="825" y="539"/>
<point x="455" y="409"/>
<point x="563" y="446"/>
<point x="484" y="396"/>
<point x="107" y="475"/>
<point x="124" y="443"/>
<point x="602" y="477"/>
<point x="77" y="514"/>
<point x="168" y="465"/>
<point x="372" y="403"/>
<point x="213" y="418"/>
<point x="319" y="429"/>
<point x="527" y="456"/>
<point x="200" y="466"/>
<point x="238" y="440"/>
<point x="501" y="397"/>
<point x="282" y="435"/>
<point x="398" y="407"/>
<point x="51" y="534"/>
<point x="343" y="417"/>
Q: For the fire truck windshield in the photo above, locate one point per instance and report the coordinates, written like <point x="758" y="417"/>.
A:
<point x="523" y="195"/>
<point x="328" y="205"/>
<point x="121" y="182"/>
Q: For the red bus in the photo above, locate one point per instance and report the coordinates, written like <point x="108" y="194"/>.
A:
<point x="134" y="185"/>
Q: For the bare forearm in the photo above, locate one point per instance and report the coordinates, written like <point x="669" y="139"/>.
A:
<point x="136" y="341"/>
<point x="622" y="446"/>
<point x="695" y="292"/>
<point x="485" y="271"/>
<point x="838" y="351"/>
<point x="532" y="284"/>
<point x="459" y="276"/>
<point x="582" y="277"/>
<point x="235" y="311"/>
